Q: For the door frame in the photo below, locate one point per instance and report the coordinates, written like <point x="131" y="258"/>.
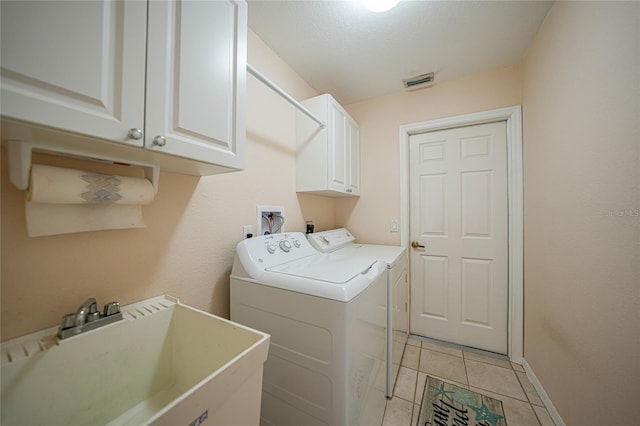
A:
<point x="513" y="117"/>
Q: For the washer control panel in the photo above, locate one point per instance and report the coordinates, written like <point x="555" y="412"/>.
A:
<point x="270" y="250"/>
<point x="281" y="243"/>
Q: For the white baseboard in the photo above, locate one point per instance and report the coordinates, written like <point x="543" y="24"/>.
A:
<point x="555" y="416"/>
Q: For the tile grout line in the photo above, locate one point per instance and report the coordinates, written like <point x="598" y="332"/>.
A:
<point x="415" y="392"/>
<point x="466" y="373"/>
<point x="525" y="392"/>
<point x="401" y="365"/>
<point x="531" y="404"/>
<point x="535" y="413"/>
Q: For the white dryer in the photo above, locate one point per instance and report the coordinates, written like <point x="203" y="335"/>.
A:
<point x="326" y="314"/>
<point x="342" y="242"/>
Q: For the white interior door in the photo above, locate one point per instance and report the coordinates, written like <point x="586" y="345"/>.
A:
<point x="459" y="214"/>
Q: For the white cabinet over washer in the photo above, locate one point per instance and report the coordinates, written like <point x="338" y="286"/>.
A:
<point x="76" y="66"/>
<point x="328" y="159"/>
<point x="165" y="76"/>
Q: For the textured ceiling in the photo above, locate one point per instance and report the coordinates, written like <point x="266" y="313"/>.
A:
<point x="341" y="48"/>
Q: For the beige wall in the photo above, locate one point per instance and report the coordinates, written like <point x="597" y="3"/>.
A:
<point x="369" y="216"/>
<point x="582" y="231"/>
<point x="192" y="227"/>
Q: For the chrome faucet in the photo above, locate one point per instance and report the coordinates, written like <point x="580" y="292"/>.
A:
<point x="88" y="318"/>
<point x="87" y="312"/>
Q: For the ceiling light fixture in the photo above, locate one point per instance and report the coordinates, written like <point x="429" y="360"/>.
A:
<point x="380" y="5"/>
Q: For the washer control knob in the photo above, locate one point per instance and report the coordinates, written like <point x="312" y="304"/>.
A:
<point x="271" y="249"/>
<point x="325" y="240"/>
<point x="296" y="243"/>
<point x="285" y="245"/>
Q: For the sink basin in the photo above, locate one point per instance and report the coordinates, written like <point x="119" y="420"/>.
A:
<point x="165" y="363"/>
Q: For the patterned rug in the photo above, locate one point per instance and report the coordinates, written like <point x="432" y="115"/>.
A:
<point x="447" y="404"/>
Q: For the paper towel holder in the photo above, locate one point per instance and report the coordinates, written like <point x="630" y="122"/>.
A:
<point x="19" y="153"/>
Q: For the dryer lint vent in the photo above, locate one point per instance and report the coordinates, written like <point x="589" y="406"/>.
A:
<point x="419" y="81"/>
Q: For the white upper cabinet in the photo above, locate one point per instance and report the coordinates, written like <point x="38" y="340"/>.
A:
<point x="83" y="66"/>
<point x="328" y="159"/>
<point x="75" y="65"/>
<point x="196" y="80"/>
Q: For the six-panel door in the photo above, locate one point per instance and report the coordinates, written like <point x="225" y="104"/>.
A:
<point x="459" y="222"/>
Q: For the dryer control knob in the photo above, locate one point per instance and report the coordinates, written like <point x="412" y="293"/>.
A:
<point x="296" y="243"/>
<point x="271" y="249"/>
<point x="285" y="245"/>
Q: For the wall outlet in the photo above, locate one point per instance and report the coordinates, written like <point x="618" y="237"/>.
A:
<point x="394" y="225"/>
<point x="246" y="231"/>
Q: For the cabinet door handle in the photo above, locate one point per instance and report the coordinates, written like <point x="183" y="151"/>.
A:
<point x="135" y="134"/>
<point x="416" y="244"/>
<point x="159" y="141"/>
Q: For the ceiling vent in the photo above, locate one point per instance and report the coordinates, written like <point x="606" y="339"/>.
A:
<point x="419" y="81"/>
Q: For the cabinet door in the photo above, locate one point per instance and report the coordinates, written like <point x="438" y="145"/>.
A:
<point x="196" y="80"/>
<point x="353" y="169"/>
<point x="337" y="149"/>
<point x="66" y="64"/>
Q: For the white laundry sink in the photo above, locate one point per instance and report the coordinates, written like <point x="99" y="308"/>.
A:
<point x="164" y="364"/>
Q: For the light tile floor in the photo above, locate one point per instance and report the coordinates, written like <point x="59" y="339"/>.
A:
<point x="478" y="371"/>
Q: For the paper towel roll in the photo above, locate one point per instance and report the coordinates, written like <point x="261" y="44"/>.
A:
<point x="45" y="219"/>
<point x="57" y="185"/>
<point x="62" y="201"/>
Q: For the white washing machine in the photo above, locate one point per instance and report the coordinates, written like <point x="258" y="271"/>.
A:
<point x="342" y="242"/>
<point x="326" y="314"/>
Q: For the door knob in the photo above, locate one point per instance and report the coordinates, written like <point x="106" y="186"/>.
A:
<point x="416" y="244"/>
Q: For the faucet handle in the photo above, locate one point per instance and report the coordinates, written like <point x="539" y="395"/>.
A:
<point x="111" y="308"/>
<point x="68" y="321"/>
<point x="93" y="313"/>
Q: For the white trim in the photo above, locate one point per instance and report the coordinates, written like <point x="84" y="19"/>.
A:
<point x="513" y="117"/>
<point x="551" y="409"/>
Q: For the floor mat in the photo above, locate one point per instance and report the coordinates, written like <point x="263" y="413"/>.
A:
<point x="446" y="404"/>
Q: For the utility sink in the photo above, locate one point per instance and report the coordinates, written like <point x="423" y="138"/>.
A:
<point x="165" y="363"/>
